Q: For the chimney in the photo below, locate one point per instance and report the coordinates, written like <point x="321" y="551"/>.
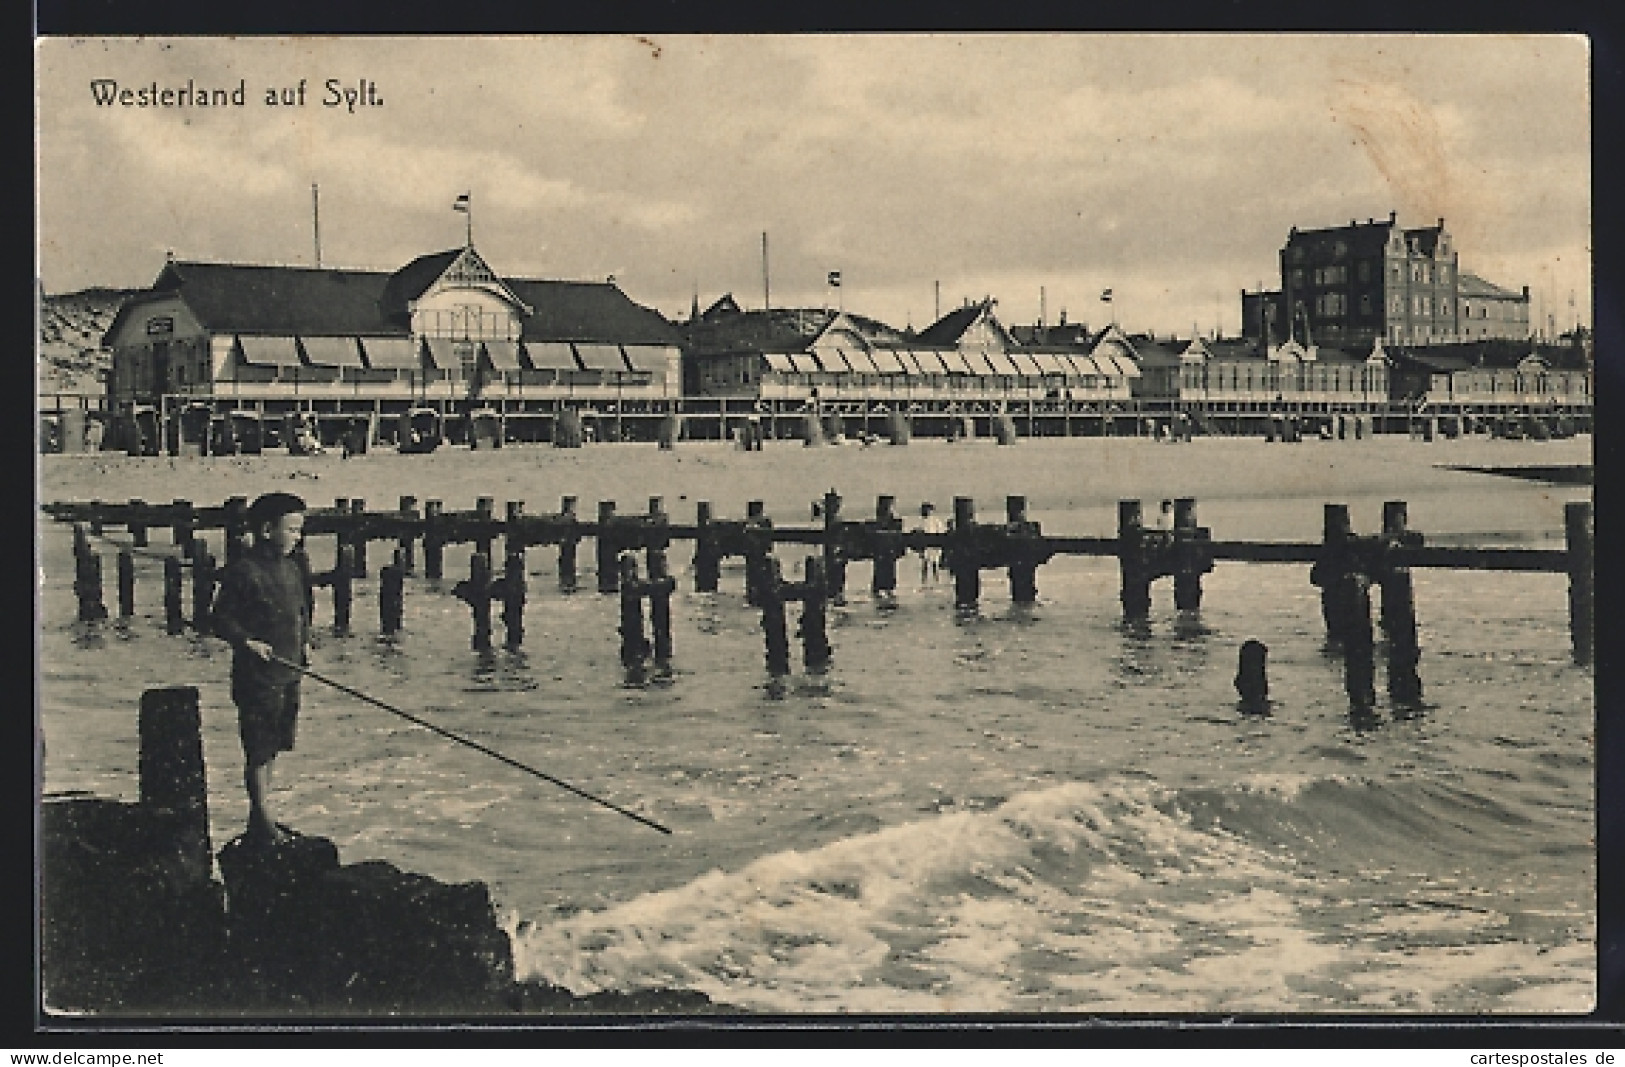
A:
<point x="1441" y="222"/>
<point x="1393" y="217"/>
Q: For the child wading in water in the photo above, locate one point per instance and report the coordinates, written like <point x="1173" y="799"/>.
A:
<point x="263" y="610"/>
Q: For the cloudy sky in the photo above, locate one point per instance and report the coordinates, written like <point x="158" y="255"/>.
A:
<point x="1169" y="168"/>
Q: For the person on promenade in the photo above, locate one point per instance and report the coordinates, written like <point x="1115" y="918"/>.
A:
<point x="263" y="610"/>
<point x="930" y="557"/>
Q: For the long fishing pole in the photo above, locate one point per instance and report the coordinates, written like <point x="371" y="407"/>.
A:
<point x="493" y="753"/>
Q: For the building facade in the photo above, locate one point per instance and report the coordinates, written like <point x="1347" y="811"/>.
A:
<point x="1489" y="311"/>
<point x="1350" y="285"/>
<point x="966" y="356"/>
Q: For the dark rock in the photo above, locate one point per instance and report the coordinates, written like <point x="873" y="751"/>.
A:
<point x="126" y="925"/>
<point x="367" y="936"/>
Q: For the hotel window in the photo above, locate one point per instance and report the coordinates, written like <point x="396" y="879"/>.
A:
<point x="1365" y="304"/>
<point x="1363" y="270"/>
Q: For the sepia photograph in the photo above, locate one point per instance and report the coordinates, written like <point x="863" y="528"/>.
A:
<point x="846" y="525"/>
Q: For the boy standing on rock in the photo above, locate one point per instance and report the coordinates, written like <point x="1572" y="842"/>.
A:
<point x="263" y="610"/>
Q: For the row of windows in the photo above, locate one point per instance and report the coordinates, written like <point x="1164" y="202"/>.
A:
<point x="468" y="322"/>
<point x="1421" y="304"/>
<point x="1363" y="379"/>
<point x="1424" y="273"/>
<point x="1421" y="273"/>
<point x="1509" y="312"/>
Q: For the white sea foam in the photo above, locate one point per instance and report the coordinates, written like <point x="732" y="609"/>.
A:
<point x="969" y="911"/>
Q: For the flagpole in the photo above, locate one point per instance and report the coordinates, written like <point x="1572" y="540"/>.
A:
<point x="468" y="233"/>
<point x="316" y="220"/>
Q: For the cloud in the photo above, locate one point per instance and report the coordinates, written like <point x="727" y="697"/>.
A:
<point x="1173" y="164"/>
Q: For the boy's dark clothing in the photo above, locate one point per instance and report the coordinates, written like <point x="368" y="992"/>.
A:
<point x="266" y="597"/>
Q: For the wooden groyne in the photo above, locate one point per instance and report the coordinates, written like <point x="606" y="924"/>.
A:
<point x="134" y="921"/>
<point x="1184" y="551"/>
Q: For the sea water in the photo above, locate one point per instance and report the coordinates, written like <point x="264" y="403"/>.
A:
<point x="1018" y="809"/>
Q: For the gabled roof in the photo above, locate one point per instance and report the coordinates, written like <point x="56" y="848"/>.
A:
<point x="1324" y="354"/>
<point x="1490" y="352"/>
<point x="1470" y="285"/>
<point x="724" y="305"/>
<point x="1149" y="353"/>
<point x="1232" y="350"/>
<point x="310" y="301"/>
<point x="410" y="282"/>
<point x="589" y="311"/>
<point x="951" y="328"/>
<point x="780" y="329"/>
<point x="1425" y="238"/>
<point x="773" y="330"/>
<point x="244" y="298"/>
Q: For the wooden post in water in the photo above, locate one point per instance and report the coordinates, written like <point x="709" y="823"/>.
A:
<point x="634" y="645"/>
<point x="202" y="591"/>
<point x="774" y="631"/>
<point x="758" y="549"/>
<point x="1136" y="582"/>
<point x="707" y="563"/>
<point x="815" y="649"/>
<point x="138" y="530"/>
<point x="1335" y="608"/>
<point x="513" y="578"/>
<point x="406" y="562"/>
<point x="607" y="550"/>
<point x="485" y="510"/>
<point x="834" y="564"/>
<point x="567" y="546"/>
<point x="343" y="531"/>
<point x="884" y="578"/>
<point x="479" y="600"/>
<point x="1399" y="614"/>
<point x="174" y="620"/>
<point x="1023" y="569"/>
<point x="185" y="523"/>
<point x="1359" y="644"/>
<point x="236" y="528"/>
<point x="1580" y="532"/>
<point x="392" y="594"/>
<point x="1188" y="575"/>
<point x="126" y="583"/>
<point x="343" y="588"/>
<point x="172" y="779"/>
<point x="657" y="520"/>
<point x="661" y="586"/>
<point x="87" y="585"/>
<point x="358" y="536"/>
<point x="434" y="547"/>
<point x="962" y="556"/>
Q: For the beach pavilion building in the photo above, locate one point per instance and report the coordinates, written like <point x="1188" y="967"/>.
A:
<point x="966" y="365"/>
<point x="445" y="333"/>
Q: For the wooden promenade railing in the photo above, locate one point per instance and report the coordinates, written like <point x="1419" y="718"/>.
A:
<point x="1343" y="565"/>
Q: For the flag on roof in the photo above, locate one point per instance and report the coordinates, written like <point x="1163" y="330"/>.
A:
<point x="461" y="203"/>
<point x="1106" y="295"/>
<point x="835" y="278"/>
